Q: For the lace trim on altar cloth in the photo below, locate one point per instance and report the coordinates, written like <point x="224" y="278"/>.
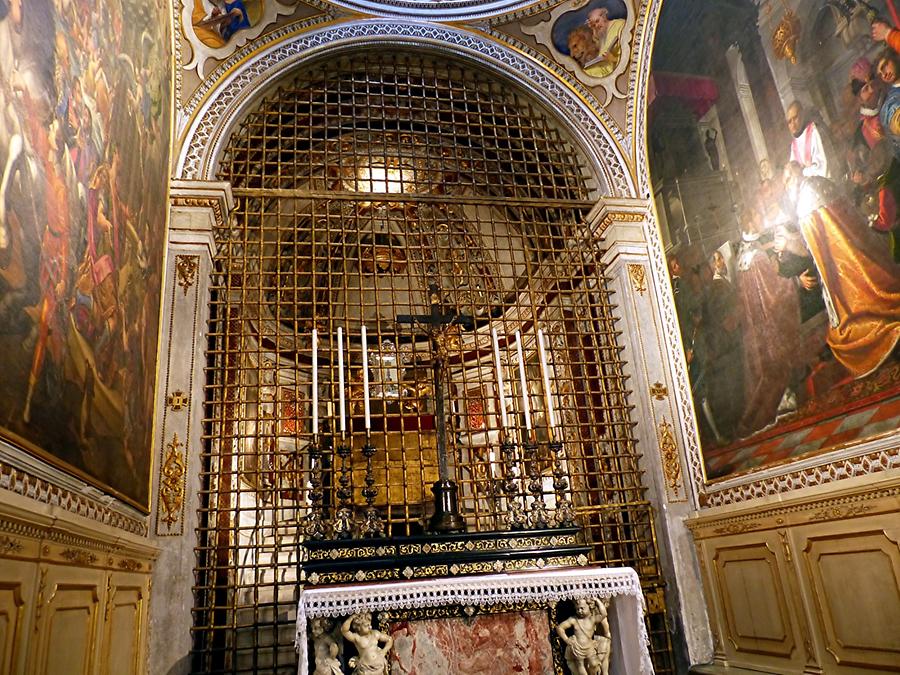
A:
<point x="553" y="586"/>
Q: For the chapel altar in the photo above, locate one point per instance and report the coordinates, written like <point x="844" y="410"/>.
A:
<point x="574" y="621"/>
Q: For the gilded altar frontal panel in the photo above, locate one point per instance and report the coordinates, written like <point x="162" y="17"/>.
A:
<point x="773" y="152"/>
<point x="84" y="147"/>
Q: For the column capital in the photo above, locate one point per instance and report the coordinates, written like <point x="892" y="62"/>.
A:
<point x="615" y="210"/>
<point x="197" y="208"/>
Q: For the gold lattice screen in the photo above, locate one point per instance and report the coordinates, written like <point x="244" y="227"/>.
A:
<point x="369" y="187"/>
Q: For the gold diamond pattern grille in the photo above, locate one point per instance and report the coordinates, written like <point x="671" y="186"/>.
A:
<point x="371" y="186"/>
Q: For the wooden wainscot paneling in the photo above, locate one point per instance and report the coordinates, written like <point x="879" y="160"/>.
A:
<point x="854" y="578"/>
<point x="808" y="584"/>
<point x="68" y="620"/>
<point x="74" y="593"/>
<point x="125" y="624"/>
<point x="750" y="586"/>
<point x="17" y="581"/>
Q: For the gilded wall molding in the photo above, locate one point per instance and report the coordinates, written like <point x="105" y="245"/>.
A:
<point x="671" y="461"/>
<point x="638" y="275"/>
<point x="186" y="267"/>
<point x="171" y="484"/>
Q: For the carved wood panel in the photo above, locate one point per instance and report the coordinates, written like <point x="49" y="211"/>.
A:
<point x="68" y="614"/>
<point x="854" y="579"/>
<point x="758" y="620"/>
<point x="16" y="604"/>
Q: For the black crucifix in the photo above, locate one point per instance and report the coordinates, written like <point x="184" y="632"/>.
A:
<point x="437" y="326"/>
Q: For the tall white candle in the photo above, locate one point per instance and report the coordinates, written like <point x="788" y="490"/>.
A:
<point x="504" y="420"/>
<point x="545" y="374"/>
<point x="523" y="382"/>
<point x="365" y="367"/>
<point x="343" y="406"/>
<point x="315" y="381"/>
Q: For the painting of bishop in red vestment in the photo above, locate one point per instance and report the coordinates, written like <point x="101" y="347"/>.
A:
<point x="778" y="210"/>
<point x="84" y="143"/>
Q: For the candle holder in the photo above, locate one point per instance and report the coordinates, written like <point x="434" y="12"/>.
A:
<point x="372" y="525"/>
<point x="515" y="513"/>
<point x="565" y="510"/>
<point x="538" y="516"/>
<point x="343" y="517"/>
<point x="314" y="526"/>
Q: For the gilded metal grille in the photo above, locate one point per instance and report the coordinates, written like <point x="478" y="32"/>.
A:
<point x="368" y="187"/>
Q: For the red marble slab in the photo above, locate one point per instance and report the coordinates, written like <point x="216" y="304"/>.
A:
<point x="515" y="642"/>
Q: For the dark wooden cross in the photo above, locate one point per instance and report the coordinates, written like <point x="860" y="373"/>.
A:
<point x="436" y="325"/>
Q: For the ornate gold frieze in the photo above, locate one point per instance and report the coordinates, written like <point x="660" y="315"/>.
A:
<point x="671" y="462"/>
<point x="638" y="275"/>
<point x="186" y="270"/>
<point x="171" y="487"/>
<point x="79" y="557"/>
<point x="215" y="205"/>
<point x="9" y="545"/>
<point x="840" y="512"/>
<point x="735" y="528"/>
<point x="610" y="218"/>
<point x="130" y="565"/>
<point x="426" y="571"/>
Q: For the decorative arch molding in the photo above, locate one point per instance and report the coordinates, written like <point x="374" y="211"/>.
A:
<point x="228" y="102"/>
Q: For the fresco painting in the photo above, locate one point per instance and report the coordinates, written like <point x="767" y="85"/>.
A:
<point x="592" y="35"/>
<point x="84" y="151"/>
<point x="591" y="38"/>
<point x="774" y="150"/>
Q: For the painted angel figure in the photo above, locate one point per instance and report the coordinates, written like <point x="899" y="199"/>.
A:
<point x="587" y="652"/>
<point x="371" y="659"/>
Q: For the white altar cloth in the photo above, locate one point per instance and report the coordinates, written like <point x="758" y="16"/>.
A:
<point x="630" y="646"/>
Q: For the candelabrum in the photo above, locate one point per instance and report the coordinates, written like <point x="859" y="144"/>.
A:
<point x="343" y="517"/>
<point x="372" y="524"/>
<point x="538" y="515"/>
<point x="520" y="483"/>
<point x="515" y="513"/>
<point x="565" y="510"/>
<point x="314" y="527"/>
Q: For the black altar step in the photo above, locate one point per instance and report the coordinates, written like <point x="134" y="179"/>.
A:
<point x="440" y="555"/>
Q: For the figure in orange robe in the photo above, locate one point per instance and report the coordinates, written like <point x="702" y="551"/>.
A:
<point x="860" y="281"/>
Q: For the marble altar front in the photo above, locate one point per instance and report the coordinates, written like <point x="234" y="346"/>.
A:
<point x="484" y="623"/>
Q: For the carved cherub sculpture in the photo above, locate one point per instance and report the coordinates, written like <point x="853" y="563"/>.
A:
<point x="325" y="648"/>
<point x="587" y="650"/>
<point x="372" y="658"/>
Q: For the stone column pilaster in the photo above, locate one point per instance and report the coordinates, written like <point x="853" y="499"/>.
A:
<point x="622" y="224"/>
<point x="196" y="208"/>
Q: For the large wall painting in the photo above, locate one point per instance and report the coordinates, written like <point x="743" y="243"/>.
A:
<point x="773" y="142"/>
<point x="592" y="38"/>
<point x="84" y="150"/>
